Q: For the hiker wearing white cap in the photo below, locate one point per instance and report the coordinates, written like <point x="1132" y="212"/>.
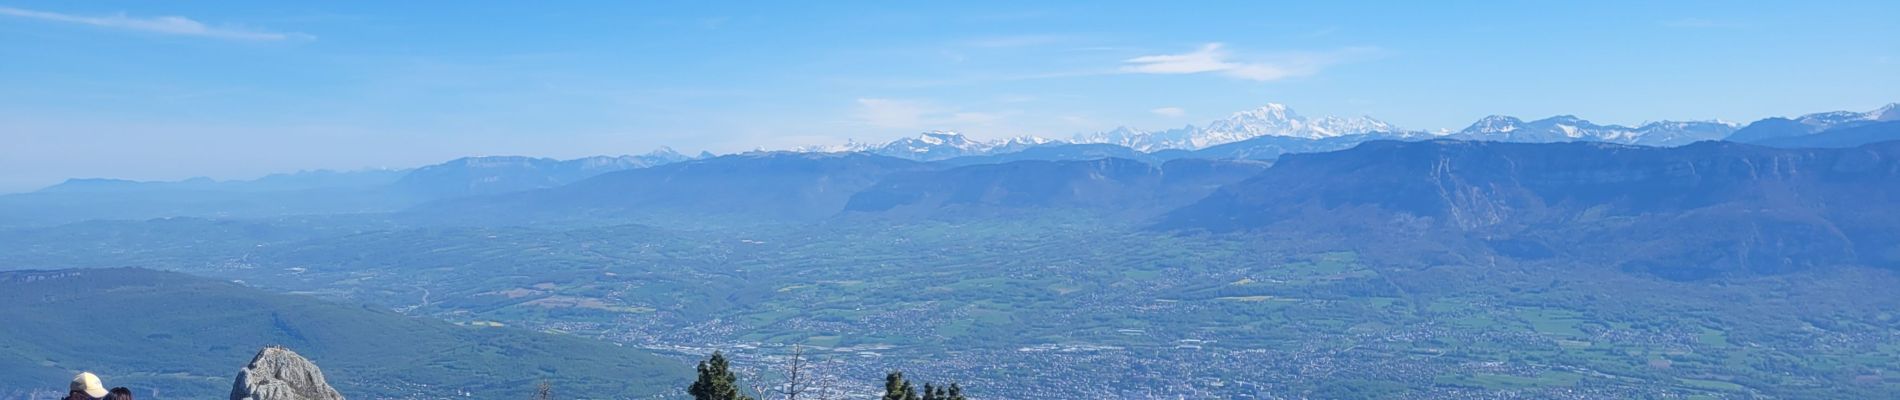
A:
<point x="86" y="386"/>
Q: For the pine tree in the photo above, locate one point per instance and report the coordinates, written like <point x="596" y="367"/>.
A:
<point x="716" y="381"/>
<point x="896" y="388"/>
<point x="934" y="392"/>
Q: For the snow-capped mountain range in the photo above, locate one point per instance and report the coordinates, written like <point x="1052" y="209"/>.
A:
<point x="1271" y="120"/>
<point x="1774" y="128"/>
<point x="1274" y="119"/>
<point x="1829" y="120"/>
<point x="933" y="145"/>
<point x="1568" y="128"/>
<point x="1278" y="120"/>
<point x="1890" y="112"/>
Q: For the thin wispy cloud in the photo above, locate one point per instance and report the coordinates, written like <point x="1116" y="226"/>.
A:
<point x="1210" y="58"/>
<point x="1215" y="59"/>
<point x="168" y="25"/>
<point x="1169" y="112"/>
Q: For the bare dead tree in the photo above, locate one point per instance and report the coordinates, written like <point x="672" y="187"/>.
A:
<point x="544" y="390"/>
<point x="758" y="390"/>
<point x="799" y="377"/>
<point x="794" y="374"/>
<point x="825" y="379"/>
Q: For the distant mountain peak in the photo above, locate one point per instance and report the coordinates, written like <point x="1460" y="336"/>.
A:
<point x="1029" y="139"/>
<point x="951" y="138"/>
<point x="1495" y="123"/>
<point x="663" y="151"/>
<point x="1889" y="112"/>
<point x="1272" y="119"/>
<point x="849" y="145"/>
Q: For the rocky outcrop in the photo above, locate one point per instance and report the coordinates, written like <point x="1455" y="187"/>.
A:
<point x="280" y="374"/>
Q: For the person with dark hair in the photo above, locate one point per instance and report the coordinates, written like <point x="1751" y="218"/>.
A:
<point x="86" y="386"/>
<point x="119" y="393"/>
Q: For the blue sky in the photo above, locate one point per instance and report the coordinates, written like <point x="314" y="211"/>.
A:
<point x="169" y="90"/>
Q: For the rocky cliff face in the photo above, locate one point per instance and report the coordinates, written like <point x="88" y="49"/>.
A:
<point x="280" y="374"/>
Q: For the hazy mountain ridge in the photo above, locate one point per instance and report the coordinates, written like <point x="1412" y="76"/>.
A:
<point x="1261" y="134"/>
<point x="1110" y="183"/>
<point x="307" y="192"/>
<point x="1569" y="128"/>
<point x="301" y="180"/>
<point x="784" y="187"/>
<point x="1847" y="136"/>
<point x="1729" y="207"/>
<point x="1272" y="147"/>
<point x="501" y="174"/>
<point x="1778" y="127"/>
<point x="1057" y="152"/>
<point x="762" y="184"/>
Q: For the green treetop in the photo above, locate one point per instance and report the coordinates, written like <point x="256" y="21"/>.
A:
<point x="716" y="381"/>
